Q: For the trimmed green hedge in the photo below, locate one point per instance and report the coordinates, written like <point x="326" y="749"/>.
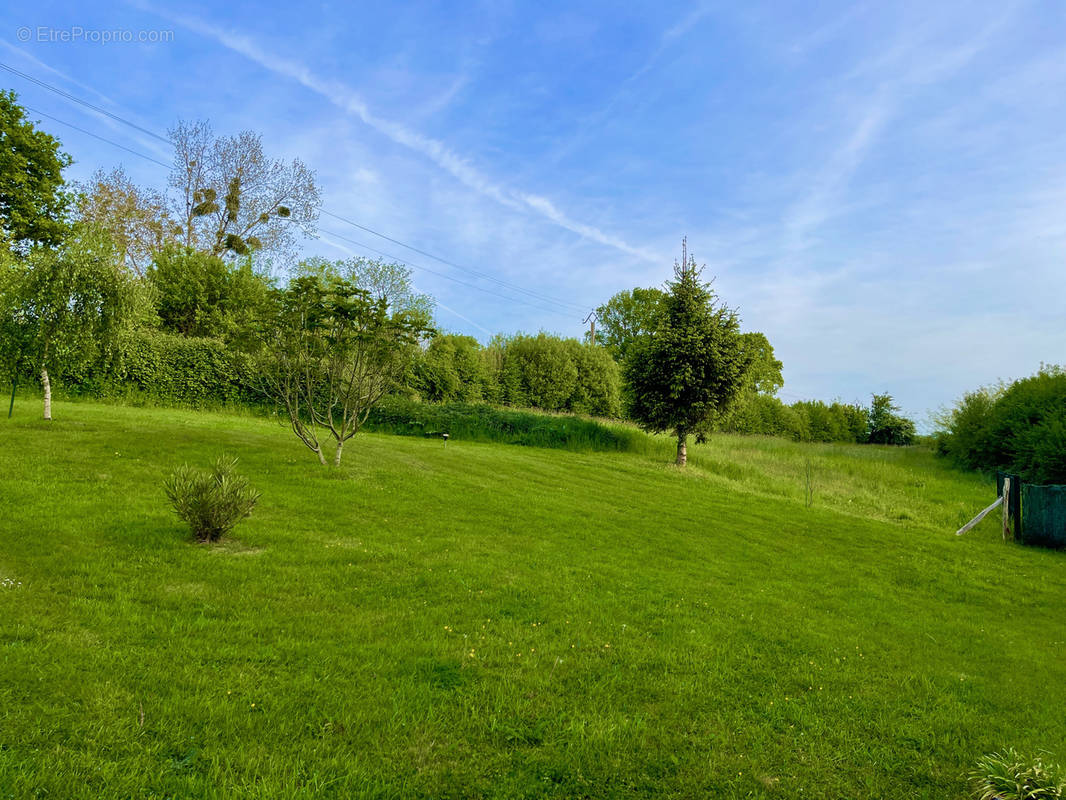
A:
<point x="168" y="368"/>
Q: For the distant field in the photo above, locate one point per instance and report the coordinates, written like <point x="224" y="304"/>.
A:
<point x="484" y="620"/>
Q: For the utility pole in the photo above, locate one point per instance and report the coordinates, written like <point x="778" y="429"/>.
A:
<point x="591" y="320"/>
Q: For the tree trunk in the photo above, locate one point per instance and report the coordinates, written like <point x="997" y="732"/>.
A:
<point x="321" y="457"/>
<point x="337" y="457"/>
<point x="47" y="386"/>
<point x="682" y="448"/>
<point x="14" y="388"/>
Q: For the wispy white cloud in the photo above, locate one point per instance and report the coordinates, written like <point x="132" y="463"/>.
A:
<point x="909" y="63"/>
<point x="345" y="98"/>
<point x="143" y="142"/>
<point x="823" y="196"/>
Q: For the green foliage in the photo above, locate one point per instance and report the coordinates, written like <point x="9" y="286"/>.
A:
<point x="329" y="353"/>
<point x="452" y="369"/>
<point x="802" y="421"/>
<point x="691" y="368"/>
<point x="168" y="369"/>
<point x="764" y="370"/>
<point x="626" y="317"/>
<point x="484" y="423"/>
<point x="554" y="374"/>
<point x="63" y="308"/>
<point x="33" y="204"/>
<point x="537" y="371"/>
<point x="1021" y="428"/>
<point x="885" y="425"/>
<point x="1008" y="776"/>
<point x="382" y="280"/>
<point x="202" y="295"/>
<point x="597" y="390"/>
<point x="212" y="502"/>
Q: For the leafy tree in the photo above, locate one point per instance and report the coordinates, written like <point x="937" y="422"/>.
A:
<point x="33" y="203"/>
<point x="230" y="198"/>
<point x="692" y="365"/>
<point x="764" y="370"/>
<point x="136" y="219"/>
<point x="626" y="317"/>
<point x="198" y="294"/>
<point x="64" y="306"/>
<point x="537" y="371"/>
<point x="1020" y="427"/>
<point x="14" y="347"/>
<point x="384" y="280"/>
<point x="597" y="390"/>
<point x="886" y="426"/>
<point x="451" y="369"/>
<point x="330" y="353"/>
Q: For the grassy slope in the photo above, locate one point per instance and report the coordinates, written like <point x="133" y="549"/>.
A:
<point x="483" y="620"/>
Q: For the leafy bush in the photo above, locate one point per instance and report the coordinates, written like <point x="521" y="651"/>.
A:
<point x="597" y="390"/>
<point x="201" y="295"/>
<point x="452" y="369"/>
<point x="212" y="501"/>
<point x="537" y="371"/>
<point x="885" y="425"/>
<point x="1021" y="428"/>
<point x="1007" y="776"/>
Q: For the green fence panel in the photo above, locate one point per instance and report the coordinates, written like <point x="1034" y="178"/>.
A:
<point x="1044" y="515"/>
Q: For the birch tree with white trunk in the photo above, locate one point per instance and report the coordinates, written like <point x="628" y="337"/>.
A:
<point x="63" y="306"/>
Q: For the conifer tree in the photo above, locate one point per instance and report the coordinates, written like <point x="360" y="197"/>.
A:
<point x="691" y="367"/>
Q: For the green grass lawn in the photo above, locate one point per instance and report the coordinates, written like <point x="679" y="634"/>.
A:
<point x="482" y="620"/>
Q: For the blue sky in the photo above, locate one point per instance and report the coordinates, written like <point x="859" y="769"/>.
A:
<point x="879" y="187"/>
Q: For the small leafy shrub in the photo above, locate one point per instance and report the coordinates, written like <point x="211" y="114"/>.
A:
<point x="1008" y="776"/>
<point x="211" y="501"/>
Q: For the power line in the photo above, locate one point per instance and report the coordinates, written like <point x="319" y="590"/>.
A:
<point x="442" y="274"/>
<point x="85" y="103"/>
<point x="101" y="138"/>
<point x="330" y="233"/>
<point x="483" y="275"/>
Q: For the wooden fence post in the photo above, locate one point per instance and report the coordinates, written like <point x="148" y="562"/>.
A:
<point x="1006" y="509"/>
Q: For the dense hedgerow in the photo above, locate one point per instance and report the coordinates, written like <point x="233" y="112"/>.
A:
<point x="1021" y="428"/>
<point x="542" y="371"/>
<point x="804" y="421"/>
<point x="169" y="368"/>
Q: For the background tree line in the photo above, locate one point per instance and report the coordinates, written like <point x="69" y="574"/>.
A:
<point x="179" y="293"/>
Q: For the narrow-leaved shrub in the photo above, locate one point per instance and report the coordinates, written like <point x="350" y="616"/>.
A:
<point x="211" y="501"/>
<point x="1008" y="776"/>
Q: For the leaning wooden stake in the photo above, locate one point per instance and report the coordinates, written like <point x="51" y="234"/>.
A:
<point x="979" y="517"/>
